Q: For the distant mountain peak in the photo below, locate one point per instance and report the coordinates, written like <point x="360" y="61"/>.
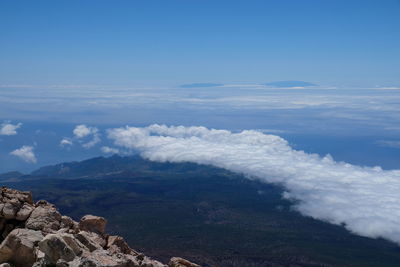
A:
<point x="288" y="84"/>
<point x="199" y="85"/>
<point x="11" y="175"/>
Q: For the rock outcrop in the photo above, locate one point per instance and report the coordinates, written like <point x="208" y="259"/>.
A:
<point x="36" y="234"/>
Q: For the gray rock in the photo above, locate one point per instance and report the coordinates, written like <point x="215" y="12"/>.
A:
<point x="92" y="223"/>
<point x="10" y="210"/>
<point x="116" y="244"/>
<point x="21" y="196"/>
<point x="91" y="241"/>
<point x="24" y="212"/>
<point x="50" y="239"/>
<point x="45" y="217"/>
<point x="67" y="222"/>
<point x="60" y="246"/>
<point x="179" y="262"/>
<point x="18" y="247"/>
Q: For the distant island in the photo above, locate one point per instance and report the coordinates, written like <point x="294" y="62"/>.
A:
<point x="199" y="85"/>
<point x="287" y="84"/>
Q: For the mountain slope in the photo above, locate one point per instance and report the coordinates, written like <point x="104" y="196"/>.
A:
<point x="208" y="215"/>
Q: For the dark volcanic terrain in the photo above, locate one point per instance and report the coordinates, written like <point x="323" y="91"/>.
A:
<point x="205" y="214"/>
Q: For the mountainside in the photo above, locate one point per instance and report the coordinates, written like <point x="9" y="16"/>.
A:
<point x="36" y="234"/>
<point x="207" y="215"/>
<point x="111" y="166"/>
<point x="10" y="175"/>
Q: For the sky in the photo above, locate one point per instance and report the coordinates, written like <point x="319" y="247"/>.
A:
<point x="341" y="43"/>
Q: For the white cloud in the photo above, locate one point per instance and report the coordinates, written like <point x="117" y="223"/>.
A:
<point x="9" y="129"/>
<point x="109" y="150"/>
<point x="25" y="153"/>
<point x="66" y="142"/>
<point x="96" y="139"/>
<point x="82" y="131"/>
<point x="365" y="200"/>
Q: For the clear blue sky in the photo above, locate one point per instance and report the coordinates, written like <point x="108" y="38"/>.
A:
<point x="166" y="43"/>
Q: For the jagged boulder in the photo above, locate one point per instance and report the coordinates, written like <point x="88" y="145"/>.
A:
<point x="22" y="196"/>
<point x="37" y="235"/>
<point x="24" y="212"/>
<point x="44" y="217"/>
<point x="92" y="223"/>
<point x="91" y="241"/>
<point x="117" y="244"/>
<point x="179" y="262"/>
<point x="60" y="246"/>
<point x="10" y="209"/>
<point x="19" y="247"/>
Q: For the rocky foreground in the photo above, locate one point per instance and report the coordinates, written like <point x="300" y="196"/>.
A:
<point x="36" y="234"/>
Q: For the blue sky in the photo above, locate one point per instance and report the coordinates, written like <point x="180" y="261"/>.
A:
<point x="167" y="43"/>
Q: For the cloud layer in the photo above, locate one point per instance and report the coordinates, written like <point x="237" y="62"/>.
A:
<point x="82" y="131"/>
<point x="350" y="111"/>
<point x="25" y="153"/>
<point x="9" y="129"/>
<point x="365" y="200"/>
<point x="109" y="150"/>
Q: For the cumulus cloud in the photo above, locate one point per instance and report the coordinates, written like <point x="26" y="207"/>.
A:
<point x="109" y="150"/>
<point x="96" y="139"/>
<point x="7" y="128"/>
<point x="363" y="199"/>
<point x="25" y="153"/>
<point x="81" y="131"/>
<point x="66" y="142"/>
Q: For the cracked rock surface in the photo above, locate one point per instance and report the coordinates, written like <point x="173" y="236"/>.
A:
<point x="36" y="234"/>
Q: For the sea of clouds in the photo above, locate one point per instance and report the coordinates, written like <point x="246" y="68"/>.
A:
<point x="363" y="199"/>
